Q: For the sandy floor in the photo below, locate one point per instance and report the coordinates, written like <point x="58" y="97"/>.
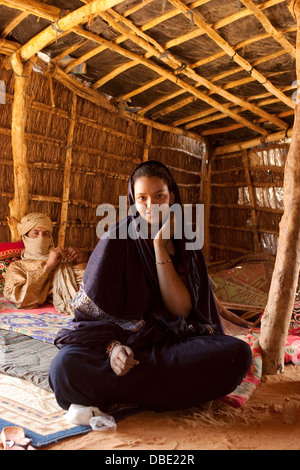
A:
<point x="257" y="426"/>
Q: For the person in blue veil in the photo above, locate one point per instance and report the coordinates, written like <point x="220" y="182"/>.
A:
<point x="147" y="329"/>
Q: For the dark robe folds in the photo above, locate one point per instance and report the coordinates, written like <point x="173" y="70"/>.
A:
<point x="183" y="361"/>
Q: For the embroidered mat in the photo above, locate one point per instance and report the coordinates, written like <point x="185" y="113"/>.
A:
<point x="39" y="326"/>
<point x="26" y="358"/>
<point x="42" y="323"/>
<point x="23" y="404"/>
<point x="246" y="283"/>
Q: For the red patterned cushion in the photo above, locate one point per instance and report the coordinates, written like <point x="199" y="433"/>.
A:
<point x="3" y="267"/>
<point x="11" y="250"/>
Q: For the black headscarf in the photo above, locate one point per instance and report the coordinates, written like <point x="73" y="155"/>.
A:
<point x="120" y="284"/>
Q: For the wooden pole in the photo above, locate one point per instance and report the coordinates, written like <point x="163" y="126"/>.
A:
<point x="67" y="177"/>
<point x="66" y="23"/>
<point x="206" y="200"/>
<point x="19" y="205"/>
<point x="147" y="143"/>
<point x="231" y="148"/>
<point x="277" y="316"/>
<point x="95" y="97"/>
<point x="252" y="201"/>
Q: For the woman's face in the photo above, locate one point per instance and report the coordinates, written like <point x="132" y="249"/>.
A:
<point x="152" y="198"/>
<point x="39" y="232"/>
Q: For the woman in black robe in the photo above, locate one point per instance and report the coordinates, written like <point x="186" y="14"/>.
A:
<point x="147" y="330"/>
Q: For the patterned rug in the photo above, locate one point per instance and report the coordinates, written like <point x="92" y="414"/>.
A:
<point x="26" y="358"/>
<point x="26" y="351"/>
<point x="23" y="404"/>
<point x="246" y="283"/>
<point x="41" y="323"/>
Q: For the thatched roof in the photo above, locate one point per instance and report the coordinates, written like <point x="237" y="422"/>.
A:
<point x="222" y="70"/>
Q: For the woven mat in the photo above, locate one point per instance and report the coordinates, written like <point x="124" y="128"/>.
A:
<point x="23" y="404"/>
<point x="26" y="358"/>
<point x="42" y="323"/>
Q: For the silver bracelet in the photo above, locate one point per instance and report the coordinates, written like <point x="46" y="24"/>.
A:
<point x="165" y="261"/>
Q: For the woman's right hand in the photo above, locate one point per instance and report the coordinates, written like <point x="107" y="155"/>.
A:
<point x="122" y="360"/>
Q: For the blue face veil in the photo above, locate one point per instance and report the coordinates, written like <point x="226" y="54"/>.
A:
<point x="120" y="296"/>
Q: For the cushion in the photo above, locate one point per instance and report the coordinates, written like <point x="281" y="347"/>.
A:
<point x="9" y="252"/>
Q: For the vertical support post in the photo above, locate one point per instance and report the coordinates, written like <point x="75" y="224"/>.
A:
<point x="67" y="177"/>
<point x="147" y="143"/>
<point x="277" y="316"/>
<point x="252" y="201"/>
<point x="206" y="198"/>
<point x="19" y="204"/>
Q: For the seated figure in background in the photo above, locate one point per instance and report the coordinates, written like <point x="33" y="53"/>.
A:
<point x="44" y="272"/>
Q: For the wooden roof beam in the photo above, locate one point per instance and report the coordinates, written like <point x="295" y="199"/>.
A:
<point x="240" y="45"/>
<point x="209" y="119"/>
<point x="114" y="73"/>
<point x="262" y="60"/>
<point x="172" y="108"/>
<point x="95" y="97"/>
<point x="69" y="51"/>
<point x="170" y="14"/>
<point x="197" y="64"/>
<point x="243" y="81"/>
<point x="157" y="50"/>
<point x="215" y="57"/>
<point x="218" y="25"/>
<point x="58" y="27"/>
<point x="261" y="17"/>
<point x="91" y="95"/>
<point x="12" y="25"/>
<point x="223" y="130"/>
<point x="236" y="147"/>
<point x="169" y="76"/>
<point x="141" y="89"/>
<point x="8" y="47"/>
<point x="34" y="7"/>
<point x="45" y="37"/>
<point x="137" y="7"/>
<point x="184" y="102"/>
<point x="195" y="119"/>
<point x="244" y="104"/>
<point x="232" y="53"/>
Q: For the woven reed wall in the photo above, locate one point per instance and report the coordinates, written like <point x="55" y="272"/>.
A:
<point x="246" y="195"/>
<point x="105" y="149"/>
<point x="246" y="201"/>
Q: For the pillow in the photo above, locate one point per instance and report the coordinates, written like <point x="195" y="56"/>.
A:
<point x="9" y="252"/>
<point x="3" y="267"/>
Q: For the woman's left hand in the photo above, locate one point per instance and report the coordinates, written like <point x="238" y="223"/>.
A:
<point x="122" y="360"/>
